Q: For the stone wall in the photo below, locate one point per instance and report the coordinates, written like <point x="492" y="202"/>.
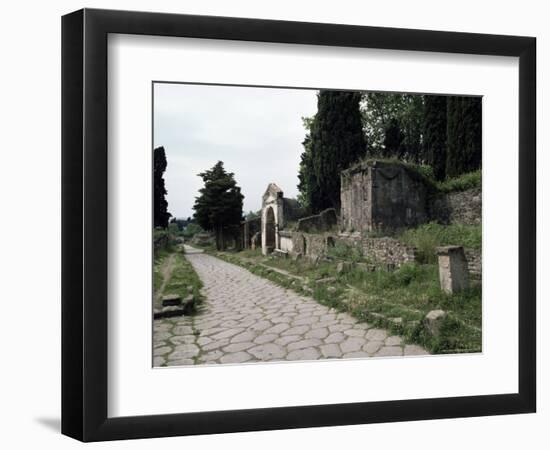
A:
<point x="310" y="245"/>
<point x="473" y="257"/>
<point x="383" y="251"/>
<point x="319" y="223"/>
<point x="388" y="251"/>
<point x="249" y="228"/>
<point x="458" y="207"/>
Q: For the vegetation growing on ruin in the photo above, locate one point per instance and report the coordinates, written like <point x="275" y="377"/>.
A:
<point x="427" y="237"/>
<point x="463" y="182"/>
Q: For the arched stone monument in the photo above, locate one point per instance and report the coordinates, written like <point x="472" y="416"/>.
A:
<point x="272" y="218"/>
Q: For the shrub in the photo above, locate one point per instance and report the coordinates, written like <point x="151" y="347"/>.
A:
<point x="341" y="250"/>
<point x="461" y="183"/>
<point x="431" y="235"/>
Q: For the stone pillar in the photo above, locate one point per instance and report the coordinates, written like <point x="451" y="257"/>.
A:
<point x="453" y="268"/>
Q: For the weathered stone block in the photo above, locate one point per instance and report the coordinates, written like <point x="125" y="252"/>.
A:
<point x="433" y="321"/>
<point x="170" y="311"/>
<point x="171" y="300"/>
<point x="280" y="253"/>
<point x="453" y="268"/>
<point x="344" y="267"/>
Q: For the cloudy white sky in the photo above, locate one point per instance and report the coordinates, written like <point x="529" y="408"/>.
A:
<point x="256" y="132"/>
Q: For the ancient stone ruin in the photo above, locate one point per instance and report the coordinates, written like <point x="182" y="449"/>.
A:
<point x="277" y="211"/>
<point x="381" y="196"/>
<point x="377" y="197"/>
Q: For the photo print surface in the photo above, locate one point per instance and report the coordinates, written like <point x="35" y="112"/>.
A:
<point x="314" y="224"/>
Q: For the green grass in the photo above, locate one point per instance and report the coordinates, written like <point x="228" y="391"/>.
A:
<point x="348" y="252"/>
<point x="251" y="253"/>
<point x="183" y="280"/>
<point x="461" y="183"/>
<point x="431" y="235"/>
<point x="380" y="297"/>
<point x="160" y="256"/>
<point x="409" y="293"/>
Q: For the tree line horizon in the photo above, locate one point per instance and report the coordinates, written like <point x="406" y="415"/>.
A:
<point x="437" y="131"/>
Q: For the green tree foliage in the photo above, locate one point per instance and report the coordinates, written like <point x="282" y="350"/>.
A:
<point x="160" y="205"/>
<point x="335" y="141"/>
<point x="463" y="135"/>
<point x="220" y="203"/>
<point x="251" y="215"/>
<point x="387" y="112"/>
<point x="191" y="229"/>
<point x="435" y="134"/>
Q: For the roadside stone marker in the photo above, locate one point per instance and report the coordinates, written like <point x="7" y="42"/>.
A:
<point x="453" y="268"/>
<point x="173" y="305"/>
<point x="171" y="300"/>
<point x="433" y="321"/>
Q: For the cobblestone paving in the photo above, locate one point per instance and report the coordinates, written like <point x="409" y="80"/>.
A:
<point x="249" y="319"/>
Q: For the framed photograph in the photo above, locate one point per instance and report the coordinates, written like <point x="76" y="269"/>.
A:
<point x="272" y="224"/>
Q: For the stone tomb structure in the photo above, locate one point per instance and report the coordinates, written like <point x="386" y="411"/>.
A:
<point x="382" y="196"/>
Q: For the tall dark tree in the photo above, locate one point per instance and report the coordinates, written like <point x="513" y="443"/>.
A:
<point x="336" y="142"/>
<point x="393" y="140"/>
<point x="308" y="186"/>
<point x="160" y="205"/>
<point x="220" y="203"/>
<point x="435" y="134"/>
<point x="463" y="135"/>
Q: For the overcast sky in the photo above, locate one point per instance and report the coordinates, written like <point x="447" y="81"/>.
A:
<point x="256" y="132"/>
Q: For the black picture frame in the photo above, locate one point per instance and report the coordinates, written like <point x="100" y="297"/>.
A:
<point x="84" y="224"/>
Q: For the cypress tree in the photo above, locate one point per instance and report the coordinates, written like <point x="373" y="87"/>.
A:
<point x="463" y="135"/>
<point x="435" y="134"/>
<point x="308" y="186"/>
<point x="220" y="203"/>
<point x="160" y="205"/>
<point x="393" y="140"/>
<point x="337" y="141"/>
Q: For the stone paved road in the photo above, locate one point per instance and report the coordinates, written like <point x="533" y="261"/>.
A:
<point x="248" y="319"/>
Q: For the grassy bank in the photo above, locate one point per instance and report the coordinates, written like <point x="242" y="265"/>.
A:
<point x="173" y="274"/>
<point x="397" y="300"/>
<point x="431" y="235"/>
